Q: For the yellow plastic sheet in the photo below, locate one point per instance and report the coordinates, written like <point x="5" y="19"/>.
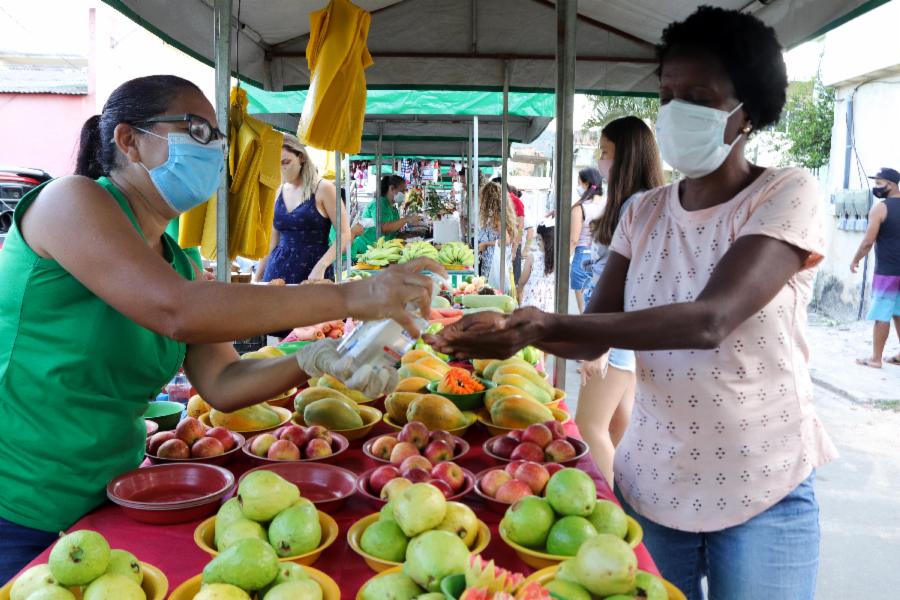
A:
<point x="337" y="56"/>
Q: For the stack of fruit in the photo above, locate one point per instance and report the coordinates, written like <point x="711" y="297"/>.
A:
<point x="256" y="417"/>
<point x="294" y="442"/>
<point x="456" y="254"/>
<point x="415" y="440"/>
<point x="382" y="253"/>
<point x="520" y="478"/>
<point x="471" y="284"/>
<point x="192" y="439"/>
<point x="521" y="395"/>
<point x="329" y="404"/>
<point x="418" y="250"/>
<point x="422" y="367"/>
<point x="560" y="522"/>
<point x="82" y="559"/>
<point x="539" y="442"/>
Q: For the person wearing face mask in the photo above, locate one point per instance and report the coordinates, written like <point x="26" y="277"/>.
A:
<point x="629" y="162"/>
<point x="99" y="308"/>
<point x="392" y="190"/>
<point x="305" y="212"/>
<point x="588" y="208"/>
<point x="708" y="280"/>
<point x="883" y="232"/>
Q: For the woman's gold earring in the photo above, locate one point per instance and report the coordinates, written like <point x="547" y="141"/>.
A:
<point x="746" y="129"/>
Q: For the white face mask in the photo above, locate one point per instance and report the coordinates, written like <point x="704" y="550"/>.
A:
<point x="692" y="137"/>
<point x="398" y="198"/>
<point x="581" y="190"/>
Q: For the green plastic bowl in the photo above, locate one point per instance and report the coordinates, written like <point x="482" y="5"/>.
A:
<point x="453" y="586"/>
<point x="164" y="412"/>
<point x="291" y="347"/>
<point x="464" y="401"/>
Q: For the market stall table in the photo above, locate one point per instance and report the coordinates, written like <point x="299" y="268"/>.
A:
<point x="171" y="548"/>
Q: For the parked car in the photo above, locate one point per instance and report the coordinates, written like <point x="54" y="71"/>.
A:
<point x="15" y="182"/>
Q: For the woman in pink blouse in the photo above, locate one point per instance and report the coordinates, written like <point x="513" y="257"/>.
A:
<point x="708" y="280"/>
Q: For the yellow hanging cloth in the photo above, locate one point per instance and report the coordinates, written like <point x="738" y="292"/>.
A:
<point x="337" y="56"/>
<point x="254" y="164"/>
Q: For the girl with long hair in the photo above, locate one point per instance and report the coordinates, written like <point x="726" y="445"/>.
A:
<point x="539" y="290"/>
<point x="588" y="208"/>
<point x="489" y="227"/>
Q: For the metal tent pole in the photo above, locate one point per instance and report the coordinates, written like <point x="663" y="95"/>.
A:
<point x="467" y="188"/>
<point x="349" y="189"/>
<point x="504" y="182"/>
<point x="222" y="26"/>
<point x="476" y="201"/>
<point x="566" y="13"/>
<point x="339" y="211"/>
<point x="378" y="181"/>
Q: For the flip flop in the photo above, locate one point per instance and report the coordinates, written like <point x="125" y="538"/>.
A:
<point x="867" y="362"/>
<point x="893" y="360"/>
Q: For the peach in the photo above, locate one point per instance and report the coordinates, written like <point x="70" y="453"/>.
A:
<point x="223" y="435"/>
<point x="534" y="475"/>
<point x="190" y="430"/>
<point x="317" y="448"/>
<point x="504" y="446"/>
<point x="157" y="439"/>
<point x="515" y="434"/>
<point x="442" y="436"/>
<point x="416" y="475"/>
<point x="538" y="434"/>
<point x="283" y="450"/>
<point x="412" y="462"/>
<point x="439" y="451"/>
<point x="174" y="448"/>
<point x="402" y="451"/>
<point x="557" y="429"/>
<point x="442" y="485"/>
<point x="207" y="447"/>
<point x="383" y="446"/>
<point x="512" y="466"/>
<point x="512" y="491"/>
<point x="414" y="432"/>
<point x="261" y="443"/>
<point x="381" y="476"/>
<point x="553" y="468"/>
<point x="559" y="451"/>
<point x="317" y="431"/>
<point x="296" y="434"/>
<point x="492" y="480"/>
<point x="451" y="473"/>
<point x="528" y="451"/>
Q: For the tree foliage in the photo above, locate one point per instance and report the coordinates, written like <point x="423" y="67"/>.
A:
<point x="806" y="123"/>
<point x="609" y="108"/>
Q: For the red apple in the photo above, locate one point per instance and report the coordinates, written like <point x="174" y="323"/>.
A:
<point x="492" y="480"/>
<point x="414" y="432"/>
<point x="174" y="449"/>
<point x="260" y="445"/>
<point x="559" y="451"/>
<point x="413" y="462"/>
<point x="451" y="473"/>
<point x="402" y="451"/>
<point x="534" y="475"/>
<point x="439" y="451"/>
<point x="513" y="490"/>
<point x="553" y="468"/>
<point x="317" y="431"/>
<point x="557" y="429"/>
<point x="295" y="434"/>
<point x="157" y="439"/>
<point x="504" y="446"/>
<point x="317" y="448"/>
<point x="538" y="434"/>
<point x="443" y="486"/>
<point x="207" y="447"/>
<point x="223" y="435"/>
<point x="528" y="451"/>
<point x="439" y="435"/>
<point x="383" y="446"/>
<point x="512" y="466"/>
<point x="515" y="434"/>
<point x="277" y="433"/>
<point x="380" y="476"/>
<point x="190" y="430"/>
<point x="416" y="475"/>
<point x="283" y="450"/>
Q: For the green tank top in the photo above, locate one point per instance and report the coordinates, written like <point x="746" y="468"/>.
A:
<point x="76" y="376"/>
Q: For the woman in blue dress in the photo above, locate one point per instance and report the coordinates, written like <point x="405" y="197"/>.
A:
<point x="305" y="211"/>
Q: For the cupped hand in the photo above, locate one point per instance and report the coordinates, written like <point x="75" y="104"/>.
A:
<point x="489" y="334"/>
<point x="385" y="295"/>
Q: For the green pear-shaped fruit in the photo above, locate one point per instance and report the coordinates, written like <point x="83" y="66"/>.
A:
<point x="114" y="587"/>
<point x="432" y="596"/>
<point x="51" y="592"/>
<point x="384" y="540"/>
<point x="567" y="535"/>
<point x="250" y="564"/>
<point x="31" y="580"/>
<point x="79" y="557"/>
<point x="567" y="590"/>
<point x="241" y="529"/>
<point x="608" y="517"/>
<point x="221" y="591"/>
<point x="296" y="530"/>
<point x="528" y="521"/>
<point x="295" y="590"/>
<point x="125" y="564"/>
<point x="418" y="508"/>
<point x="434" y="555"/>
<point x="650" y="586"/>
<point x="229" y="513"/>
<point x="572" y="492"/>
<point x="396" y="586"/>
<point x="264" y="494"/>
<point x="287" y="571"/>
<point x="605" y="565"/>
<point x="566" y="571"/>
<point x="387" y="513"/>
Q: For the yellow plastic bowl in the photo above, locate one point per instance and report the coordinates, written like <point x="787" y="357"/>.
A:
<point x="459" y="431"/>
<point x="284" y="413"/>
<point x="205" y="535"/>
<point x="285" y="400"/>
<point x="330" y="589"/>
<point x="542" y="560"/>
<point x="155" y="585"/>
<point x="354" y="536"/>
<point x="485" y="418"/>
<point x="370" y="417"/>
<point x="548" y="574"/>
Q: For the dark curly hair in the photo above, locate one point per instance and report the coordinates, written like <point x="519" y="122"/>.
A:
<point x="749" y="50"/>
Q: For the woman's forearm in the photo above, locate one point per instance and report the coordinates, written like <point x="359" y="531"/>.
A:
<point x="245" y="382"/>
<point x="329" y="255"/>
<point x="393" y="226"/>
<point x="261" y="268"/>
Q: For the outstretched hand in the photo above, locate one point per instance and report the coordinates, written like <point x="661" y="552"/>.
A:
<point x="489" y="334"/>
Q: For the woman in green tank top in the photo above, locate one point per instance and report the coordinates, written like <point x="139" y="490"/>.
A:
<point x="99" y="308"/>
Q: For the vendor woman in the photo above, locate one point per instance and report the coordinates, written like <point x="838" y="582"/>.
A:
<point x="708" y="280"/>
<point x="99" y="308"/>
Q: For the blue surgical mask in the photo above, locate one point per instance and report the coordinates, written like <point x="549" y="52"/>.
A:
<point x="192" y="172"/>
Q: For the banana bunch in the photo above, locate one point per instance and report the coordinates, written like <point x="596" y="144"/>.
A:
<point x="456" y="253"/>
<point x="418" y="250"/>
<point x="382" y="243"/>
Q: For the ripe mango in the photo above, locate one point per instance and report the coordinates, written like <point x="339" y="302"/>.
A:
<point x="413" y="384"/>
<point x="481" y="364"/>
<point x="257" y="416"/>
<point x="417" y="370"/>
<point x="332" y="382"/>
<point x="436" y="412"/>
<point x="415" y="356"/>
<point x="503" y="391"/>
<point x="397" y="403"/>
<point x="310" y="395"/>
<point x="518" y="412"/>
<point x="197" y="406"/>
<point x="332" y="414"/>
<point x="528" y="373"/>
<point x="525" y="384"/>
<point x="434" y="363"/>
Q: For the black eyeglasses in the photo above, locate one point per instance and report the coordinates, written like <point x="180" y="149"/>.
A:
<point x="199" y="128"/>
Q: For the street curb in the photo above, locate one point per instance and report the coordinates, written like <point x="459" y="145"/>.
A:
<point x="839" y="391"/>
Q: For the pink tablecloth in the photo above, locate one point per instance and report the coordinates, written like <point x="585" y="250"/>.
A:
<point x="171" y="548"/>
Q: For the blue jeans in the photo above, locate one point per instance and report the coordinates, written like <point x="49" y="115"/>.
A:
<point x="774" y="555"/>
<point x="579" y="278"/>
<point x="18" y="547"/>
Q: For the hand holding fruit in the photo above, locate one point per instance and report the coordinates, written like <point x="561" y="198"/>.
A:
<point x="507" y="334"/>
<point x="321" y="358"/>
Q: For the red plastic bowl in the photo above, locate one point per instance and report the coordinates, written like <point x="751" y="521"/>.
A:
<point x="362" y="486"/>
<point x="326" y="486"/>
<point x="171" y="493"/>
<point x="461" y="448"/>
<point x="338" y="444"/>
<point x="222" y="459"/>
<point x="581" y="450"/>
